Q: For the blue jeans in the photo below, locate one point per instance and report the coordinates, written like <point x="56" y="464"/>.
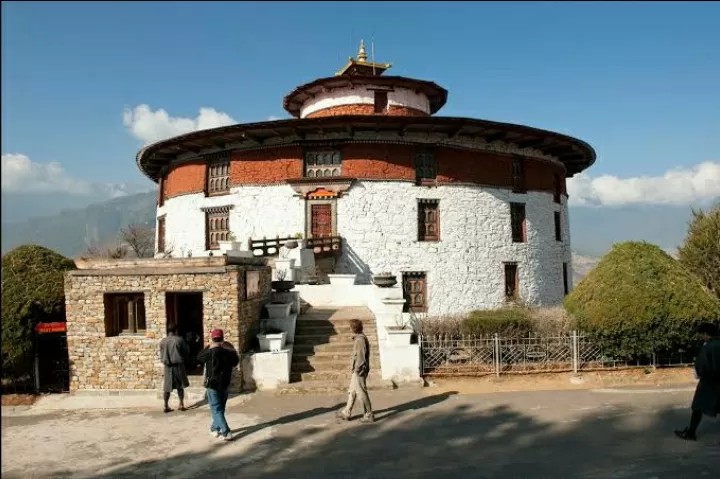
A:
<point x="217" y="401"/>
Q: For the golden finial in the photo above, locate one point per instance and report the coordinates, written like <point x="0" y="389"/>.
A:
<point x="362" y="54"/>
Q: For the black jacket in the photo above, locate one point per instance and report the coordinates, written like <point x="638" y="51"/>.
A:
<point x="219" y="363"/>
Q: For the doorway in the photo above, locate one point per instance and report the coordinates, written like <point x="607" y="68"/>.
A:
<point x="321" y="220"/>
<point x="186" y="310"/>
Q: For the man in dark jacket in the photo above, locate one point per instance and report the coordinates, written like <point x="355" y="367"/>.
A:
<point x="174" y="352"/>
<point x="219" y="359"/>
<point x="707" y="393"/>
<point x="360" y="369"/>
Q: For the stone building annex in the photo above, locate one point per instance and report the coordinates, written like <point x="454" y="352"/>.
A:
<point x="465" y="212"/>
<point x="363" y="186"/>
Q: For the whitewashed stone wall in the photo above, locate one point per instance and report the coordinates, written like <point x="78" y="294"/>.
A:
<point x="363" y="96"/>
<point x="378" y="221"/>
<point x="257" y="211"/>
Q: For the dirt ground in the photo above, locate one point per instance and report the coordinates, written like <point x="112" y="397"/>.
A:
<point x="18" y="399"/>
<point x="430" y="432"/>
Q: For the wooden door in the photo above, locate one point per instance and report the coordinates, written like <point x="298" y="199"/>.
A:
<point x="321" y="221"/>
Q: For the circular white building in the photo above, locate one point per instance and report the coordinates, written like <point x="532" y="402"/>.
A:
<point x="466" y="213"/>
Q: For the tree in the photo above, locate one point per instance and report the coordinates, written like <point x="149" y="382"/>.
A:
<point x="33" y="290"/>
<point x="140" y="240"/>
<point x="700" y="251"/>
<point x="638" y="301"/>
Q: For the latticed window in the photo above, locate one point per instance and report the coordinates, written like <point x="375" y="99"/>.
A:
<point x="517" y="222"/>
<point x="161" y="235"/>
<point x="425" y="166"/>
<point x="558" y="228"/>
<point x="124" y="313"/>
<point x="218" y="178"/>
<point x="428" y="220"/>
<point x="518" y="175"/>
<point x="511" y="281"/>
<point x="217" y="227"/>
<point x="323" y="164"/>
<point x="414" y="291"/>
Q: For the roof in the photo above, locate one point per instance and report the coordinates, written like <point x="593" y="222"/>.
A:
<point x="357" y="67"/>
<point x="575" y="154"/>
<point x="294" y="101"/>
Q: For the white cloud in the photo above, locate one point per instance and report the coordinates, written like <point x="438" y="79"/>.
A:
<point x="273" y="118"/>
<point x="151" y="126"/>
<point x="22" y="175"/>
<point x="679" y="186"/>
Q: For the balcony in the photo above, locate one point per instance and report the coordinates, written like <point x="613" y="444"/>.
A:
<point x="322" y="247"/>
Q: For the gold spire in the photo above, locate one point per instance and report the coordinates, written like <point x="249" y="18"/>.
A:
<point x="362" y="54"/>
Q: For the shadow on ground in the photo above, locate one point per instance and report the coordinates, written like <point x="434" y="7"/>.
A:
<point x="441" y="439"/>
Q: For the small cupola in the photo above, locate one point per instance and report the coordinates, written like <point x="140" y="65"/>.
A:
<point x="361" y="65"/>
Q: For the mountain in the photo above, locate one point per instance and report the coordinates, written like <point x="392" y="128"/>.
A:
<point x="70" y="232"/>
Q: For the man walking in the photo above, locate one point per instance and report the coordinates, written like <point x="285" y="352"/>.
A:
<point x="707" y="393"/>
<point x="358" y="380"/>
<point x="219" y="359"/>
<point x="174" y="352"/>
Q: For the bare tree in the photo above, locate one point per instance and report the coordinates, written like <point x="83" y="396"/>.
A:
<point x="140" y="240"/>
<point x="115" y="252"/>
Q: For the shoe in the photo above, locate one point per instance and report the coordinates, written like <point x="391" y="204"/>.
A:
<point x="342" y="416"/>
<point x="685" y="434"/>
<point x="228" y="437"/>
<point x="215" y="434"/>
<point x="367" y="419"/>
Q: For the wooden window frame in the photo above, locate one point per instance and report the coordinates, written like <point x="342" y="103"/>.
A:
<point x="423" y="221"/>
<point x="161" y="190"/>
<point x="507" y="267"/>
<point x="380" y="102"/>
<point x="557" y="188"/>
<point x="518" y="175"/>
<point x="425" y="167"/>
<point x="518" y="236"/>
<point x="161" y="234"/>
<point x="558" y="226"/>
<point x="120" y="313"/>
<point x="406" y="277"/>
<point x="217" y="183"/>
<point x="566" y="279"/>
<point x="322" y="163"/>
<point x="216" y="234"/>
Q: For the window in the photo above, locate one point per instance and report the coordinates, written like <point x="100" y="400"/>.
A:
<point x="558" y="230"/>
<point x="414" y="291"/>
<point x="428" y="220"/>
<point x="161" y="235"/>
<point x="425" y="166"/>
<point x="518" y="175"/>
<point x="124" y="313"/>
<point x="217" y="227"/>
<point x="381" y="101"/>
<point x="511" y="281"/>
<point x="557" y="188"/>
<point x="566" y="287"/>
<point x="218" y="178"/>
<point x="319" y="164"/>
<point x="517" y="222"/>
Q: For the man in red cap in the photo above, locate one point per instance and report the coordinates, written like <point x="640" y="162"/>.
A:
<point x="219" y="358"/>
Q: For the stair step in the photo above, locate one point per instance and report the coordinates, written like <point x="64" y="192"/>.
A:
<point x="338" y="376"/>
<point x="317" y="339"/>
<point x="326" y="355"/>
<point x="330" y="327"/>
<point x="327" y="367"/>
<point x="338" y="347"/>
<point x="329" y="387"/>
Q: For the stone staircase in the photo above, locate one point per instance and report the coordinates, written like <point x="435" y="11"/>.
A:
<point x="323" y="348"/>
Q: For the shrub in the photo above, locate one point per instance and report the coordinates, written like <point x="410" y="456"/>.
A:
<point x="511" y="322"/>
<point x="638" y="300"/>
<point x="32" y="291"/>
<point x="551" y="321"/>
<point x="700" y="251"/>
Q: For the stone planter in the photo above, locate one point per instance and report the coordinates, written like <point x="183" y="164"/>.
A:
<point x="342" y="279"/>
<point x="291" y="244"/>
<point x="272" y="342"/>
<point x="384" y="281"/>
<point x="278" y="310"/>
<point x="399" y="337"/>
<point x="283" y="286"/>
<point x="226" y="246"/>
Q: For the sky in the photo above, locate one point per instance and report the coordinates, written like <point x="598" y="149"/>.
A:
<point x="87" y="84"/>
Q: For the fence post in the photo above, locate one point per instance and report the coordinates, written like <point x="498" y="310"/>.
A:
<point x="575" y="351"/>
<point x="497" y="355"/>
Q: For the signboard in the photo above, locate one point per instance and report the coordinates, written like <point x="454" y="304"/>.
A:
<point x="44" y="328"/>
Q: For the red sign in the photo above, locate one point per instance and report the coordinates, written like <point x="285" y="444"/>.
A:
<point x="43" y="328"/>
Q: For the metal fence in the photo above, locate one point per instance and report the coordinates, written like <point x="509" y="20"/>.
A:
<point x="444" y="355"/>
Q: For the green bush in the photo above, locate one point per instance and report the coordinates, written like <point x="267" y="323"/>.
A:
<point x="639" y="301"/>
<point x="507" y="322"/>
<point x="32" y="291"/>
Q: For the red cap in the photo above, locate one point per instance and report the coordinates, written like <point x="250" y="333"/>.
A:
<point x="216" y="334"/>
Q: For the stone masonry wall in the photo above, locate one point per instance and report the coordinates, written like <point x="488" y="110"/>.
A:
<point x="132" y="361"/>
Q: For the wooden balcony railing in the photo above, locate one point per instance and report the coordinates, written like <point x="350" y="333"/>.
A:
<point x="328" y="246"/>
<point x="265" y="247"/>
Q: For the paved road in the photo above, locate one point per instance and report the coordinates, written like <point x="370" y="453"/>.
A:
<point x="561" y="434"/>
